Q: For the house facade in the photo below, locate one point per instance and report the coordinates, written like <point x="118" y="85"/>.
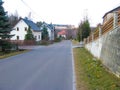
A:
<point x="62" y="34"/>
<point x="20" y="30"/>
<point x="50" y="29"/>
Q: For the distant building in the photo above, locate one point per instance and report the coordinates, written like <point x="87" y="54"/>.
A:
<point x="62" y="34"/>
<point x="62" y="26"/>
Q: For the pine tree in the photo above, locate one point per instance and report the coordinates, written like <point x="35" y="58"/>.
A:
<point x="83" y="30"/>
<point x="29" y="35"/>
<point x="79" y="37"/>
<point x="5" y="29"/>
<point x="45" y="34"/>
<point x="39" y="24"/>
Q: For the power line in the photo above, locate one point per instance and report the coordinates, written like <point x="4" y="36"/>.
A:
<point x="30" y="9"/>
<point x="27" y="6"/>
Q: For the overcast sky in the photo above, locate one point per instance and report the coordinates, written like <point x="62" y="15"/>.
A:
<point x="62" y="11"/>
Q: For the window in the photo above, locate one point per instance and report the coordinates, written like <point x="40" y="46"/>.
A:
<point x="17" y="28"/>
<point x="39" y="36"/>
<point x="17" y="37"/>
<point x="25" y="28"/>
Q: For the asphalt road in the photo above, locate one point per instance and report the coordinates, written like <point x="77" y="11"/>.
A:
<point x="43" y="68"/>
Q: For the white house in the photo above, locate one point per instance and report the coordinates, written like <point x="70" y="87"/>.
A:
<point x="20" y="30"/>
<point x="50" y="29"/>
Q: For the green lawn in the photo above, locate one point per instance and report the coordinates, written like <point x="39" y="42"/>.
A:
<point x="90" y="73"/>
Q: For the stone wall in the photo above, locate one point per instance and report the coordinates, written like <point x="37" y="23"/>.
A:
<point x="107" y="49"/>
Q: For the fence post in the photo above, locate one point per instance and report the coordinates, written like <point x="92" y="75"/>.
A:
<point x="115" y="21"/>
<point x="88" y="39"/>
<point x="100" y="31"/>
<point x="84" y="40"/>
<point x="92" y="36"/>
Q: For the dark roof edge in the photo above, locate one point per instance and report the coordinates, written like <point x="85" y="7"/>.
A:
<point x="111" y="11"/>
<point x="17" y="22"/>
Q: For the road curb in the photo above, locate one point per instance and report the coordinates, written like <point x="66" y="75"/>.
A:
<point x="73" y="68"/>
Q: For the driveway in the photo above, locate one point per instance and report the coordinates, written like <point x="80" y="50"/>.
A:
<point x="43" y="68"/>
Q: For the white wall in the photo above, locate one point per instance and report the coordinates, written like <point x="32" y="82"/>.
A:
<point x="50" y="34"/>
<point x="21" y="33"/>
<point x="95" y="47"/>
<point x="64" y="36"/>
<point x="37" y="35"/>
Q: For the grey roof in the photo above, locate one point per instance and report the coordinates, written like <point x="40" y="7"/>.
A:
<point x="115" y="9"/>
<point x="31" y="24"/>
<point x="50" y="26"/>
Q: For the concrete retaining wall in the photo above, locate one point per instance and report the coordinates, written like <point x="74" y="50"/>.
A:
<point x="107" y="49"/>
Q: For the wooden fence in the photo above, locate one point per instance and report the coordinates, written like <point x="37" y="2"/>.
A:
<point x="102" y="29"/>
<point x="119" y="18"/>
<point x="107" y="26"/>
<point x="23" y="42"/>
<point x="96" y="33"/>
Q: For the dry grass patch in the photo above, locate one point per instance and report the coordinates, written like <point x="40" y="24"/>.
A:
<point x="90" y="73"/>
<point x="74" y="42"/>
<point x="80" y="80"/>
<point x="5" y="55"/>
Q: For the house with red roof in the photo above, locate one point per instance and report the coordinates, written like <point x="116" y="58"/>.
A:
<point x="62" y="34"/>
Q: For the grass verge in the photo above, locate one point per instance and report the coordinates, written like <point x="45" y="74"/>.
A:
<point x="12" y="54"/>
<point x="90" y="73"/>
<point x="75" y="42"/>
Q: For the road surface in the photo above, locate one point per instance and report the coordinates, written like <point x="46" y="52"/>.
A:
<point x="43" y="68"/>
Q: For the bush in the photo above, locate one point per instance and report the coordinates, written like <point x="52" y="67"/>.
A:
<point x="6" y="46"/>
<point x="57" y="40"/>
<point x="14" y="47"/>
<point x="44" y="42"/>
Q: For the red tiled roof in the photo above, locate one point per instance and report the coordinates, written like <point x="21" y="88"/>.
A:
<point x="63" y="32"/>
